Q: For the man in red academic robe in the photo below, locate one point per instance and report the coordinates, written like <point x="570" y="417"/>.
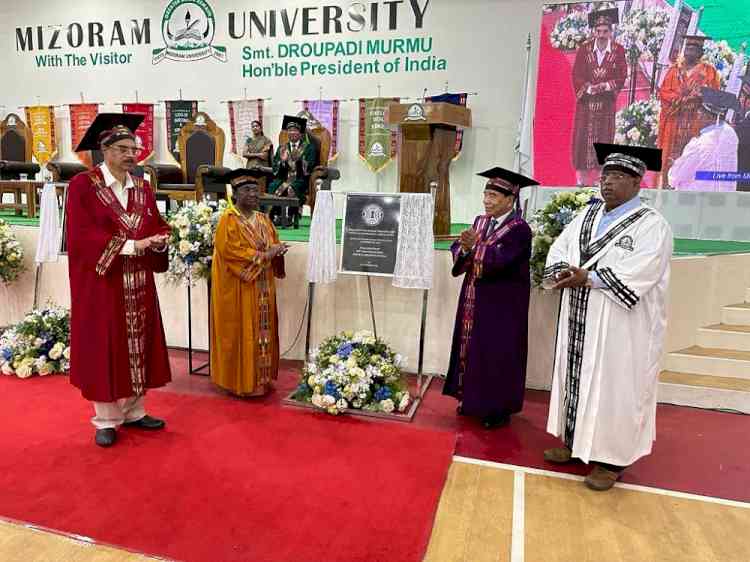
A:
<point x="599" y="73"/>
<point x="116" y="240"/>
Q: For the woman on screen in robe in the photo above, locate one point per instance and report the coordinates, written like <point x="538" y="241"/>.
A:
<point x="247" y="260"/>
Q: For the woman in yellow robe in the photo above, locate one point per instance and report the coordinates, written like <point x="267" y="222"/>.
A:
<point x="244" y="322"/>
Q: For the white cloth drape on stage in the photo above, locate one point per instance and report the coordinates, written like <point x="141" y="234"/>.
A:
<point x="49" y="237"/>
<point x="416" y="242"/>
<point x="321" y="260"/>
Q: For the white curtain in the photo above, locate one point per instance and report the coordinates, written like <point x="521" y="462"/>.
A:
<point x="416" y="242"/>
<point x="321" y="260"/>
<point x="49" y="237"/>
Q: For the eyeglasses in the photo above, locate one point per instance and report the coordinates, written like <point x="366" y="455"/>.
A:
<point x="124" y="150"/>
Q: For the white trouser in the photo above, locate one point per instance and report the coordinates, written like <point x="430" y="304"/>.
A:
<point x="114" y="414"/>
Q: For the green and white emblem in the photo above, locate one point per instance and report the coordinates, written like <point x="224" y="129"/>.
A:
<point x="188" y="28"/>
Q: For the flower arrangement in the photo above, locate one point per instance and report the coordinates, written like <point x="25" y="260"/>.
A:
<point x="570" y="31"/>
<point x="357" y="371"/>
<point x="11" y="254"/>
<point x="643" y="31"/>
<point x="721" y="56"/>
<point x="638" y="123"/>
<point x="191" y="245"/>
<point x="547" y="224"/>
<point x="39" y="344"/>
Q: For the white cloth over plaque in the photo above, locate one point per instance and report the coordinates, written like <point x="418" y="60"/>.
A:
<point x="48" y="244"/>
<point x="321" y="259"/>
<point x="415" y="254"/>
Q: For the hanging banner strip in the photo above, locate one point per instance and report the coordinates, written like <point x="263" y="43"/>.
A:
<point x="81" y="117"/>
<point x="178" y="113"/>
<point x="377" y="143"/>
<point x="41" y="121"/>
<point x="242" y="113"/>
<point x="145" y="132"/>
<point x="326" y="112"/>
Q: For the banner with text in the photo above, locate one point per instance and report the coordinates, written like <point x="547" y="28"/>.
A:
<point x="144" y="135"/>
<point x="178" y="112"/>
<point x="81" y="117"/>
<point x="242" y="113"/>
<point x="377" y="143"/>
<point x="41" y="121"/>
<point x="326" y="112"/>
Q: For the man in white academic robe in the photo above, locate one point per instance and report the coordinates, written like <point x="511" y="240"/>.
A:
<point x="713" y="150"/>
<point x="612" y="263"/>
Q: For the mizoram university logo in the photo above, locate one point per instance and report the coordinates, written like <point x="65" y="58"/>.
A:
<point x="188" y="28"/>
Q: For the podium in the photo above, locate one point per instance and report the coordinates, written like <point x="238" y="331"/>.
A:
<point x="428" y="138"/>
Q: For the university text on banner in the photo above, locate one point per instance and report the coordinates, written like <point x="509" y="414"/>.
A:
<point x="377" y="143"/>
<point x="178" y="113"/>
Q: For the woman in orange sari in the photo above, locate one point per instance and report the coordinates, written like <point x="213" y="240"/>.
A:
<point x="244" y="324"/>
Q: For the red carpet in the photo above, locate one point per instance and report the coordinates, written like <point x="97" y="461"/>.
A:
<point x="228" y="480"/>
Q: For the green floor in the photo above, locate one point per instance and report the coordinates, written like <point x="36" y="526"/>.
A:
<point x="682" y="246"/>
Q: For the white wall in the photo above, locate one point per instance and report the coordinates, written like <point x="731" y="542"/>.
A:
<point x="483" y="42"/>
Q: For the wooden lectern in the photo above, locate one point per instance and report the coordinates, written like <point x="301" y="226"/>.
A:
<point x="428" y="138"/>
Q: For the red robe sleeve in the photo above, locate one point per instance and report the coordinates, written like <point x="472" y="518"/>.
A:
<point x="93" y="240"/>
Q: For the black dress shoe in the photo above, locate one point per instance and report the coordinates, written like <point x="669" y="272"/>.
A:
<point x="146" y="422"/>
<point x="492" y="422"/>
<point x="105" y="437"/>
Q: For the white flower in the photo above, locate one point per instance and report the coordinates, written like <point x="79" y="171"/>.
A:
<point x="357" y="403"/>
<point x="387" y="405"/>
<point x="341" y="404"/>
<point x="7" y="369"/>
<point x="66" y="353"/>
<point x="38" y="342"/>
<point x="185" y="248"/>
<point x="56" y="352"/>
<point x="25" y="369"/>
<point x="40" y="361"/>
<point x="351" y="363"/>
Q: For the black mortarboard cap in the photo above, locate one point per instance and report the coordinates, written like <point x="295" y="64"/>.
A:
<point x="634" y="160"/>
<point x="105" y="122"/>
<point x="242" y="176"/>
<point x="610" y="16"/>
<point x="697" y="38"/>
<point x="506" y="181"/>
<point x="291" y="120"/>
<point x="718" y="101"/>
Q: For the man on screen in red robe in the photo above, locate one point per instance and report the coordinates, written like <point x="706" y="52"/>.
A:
<point x="599" y="73"/>
<point x="116" y="240"/>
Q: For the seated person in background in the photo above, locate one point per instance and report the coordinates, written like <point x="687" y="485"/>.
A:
<point x="292" y="165"/>
<point x="258" y="151"/>
<point x="247" y="260"/>
<point x="713" y="150"/>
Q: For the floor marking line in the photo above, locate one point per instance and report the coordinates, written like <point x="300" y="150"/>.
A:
<point x="518" y="536"/>
<point x="633" y="487"/>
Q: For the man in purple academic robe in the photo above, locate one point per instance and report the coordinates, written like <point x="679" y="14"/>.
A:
<point x="487" y="369"/>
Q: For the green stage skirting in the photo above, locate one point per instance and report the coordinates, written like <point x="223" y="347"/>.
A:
<point x="682" y="246"/>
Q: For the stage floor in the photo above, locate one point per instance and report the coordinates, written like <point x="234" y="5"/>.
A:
<point x="682" y="246"/>
<point x="499" y="501"/>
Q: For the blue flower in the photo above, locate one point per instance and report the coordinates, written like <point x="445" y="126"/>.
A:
<point x="563" y="216"/>
<point x="330" y="388"/>
<point x="7" y="354"/>
<point x="383" y="393"/>
<point x="345" y="350"/>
